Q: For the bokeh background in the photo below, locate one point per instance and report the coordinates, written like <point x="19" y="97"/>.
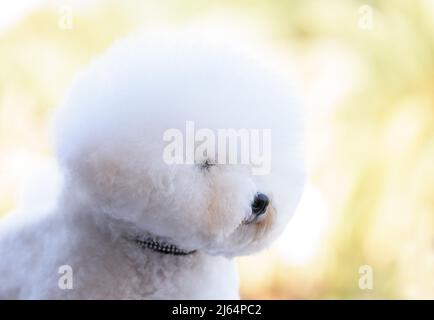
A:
<point x="365" y="73"/>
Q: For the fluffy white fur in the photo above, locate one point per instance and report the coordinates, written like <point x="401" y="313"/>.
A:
<point x="116" y="186"/>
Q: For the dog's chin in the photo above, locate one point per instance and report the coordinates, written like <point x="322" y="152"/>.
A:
<point x="244" y="235"/>
<point x="231" y="250"/>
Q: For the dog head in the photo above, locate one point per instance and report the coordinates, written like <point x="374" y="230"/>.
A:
<point x="184" y="139"/>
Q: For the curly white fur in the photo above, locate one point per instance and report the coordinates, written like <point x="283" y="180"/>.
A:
<point x="116" y="186"/>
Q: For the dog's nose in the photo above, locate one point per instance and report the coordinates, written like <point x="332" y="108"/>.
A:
<point x="260" y="204"/>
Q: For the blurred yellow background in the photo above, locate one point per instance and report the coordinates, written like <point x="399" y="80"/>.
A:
<point x="365" y="74"/>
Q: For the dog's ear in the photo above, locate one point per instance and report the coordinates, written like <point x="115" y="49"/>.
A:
<point x="113" y="176"/>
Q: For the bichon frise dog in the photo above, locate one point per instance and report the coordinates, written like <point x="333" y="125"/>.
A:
<point x="177" y="153"/>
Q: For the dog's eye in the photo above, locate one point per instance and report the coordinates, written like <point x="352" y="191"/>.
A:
<point x="207" y="164"/>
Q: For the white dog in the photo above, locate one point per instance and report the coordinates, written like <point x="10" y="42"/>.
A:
<point x="133" y="223"/>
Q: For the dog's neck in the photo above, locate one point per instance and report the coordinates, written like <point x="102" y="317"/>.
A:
<point x="163" y="247"/>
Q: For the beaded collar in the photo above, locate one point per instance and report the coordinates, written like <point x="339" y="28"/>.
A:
<point x="162" y="247"/>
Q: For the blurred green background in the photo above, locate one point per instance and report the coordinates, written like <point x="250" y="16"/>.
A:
<point x="365" y="74"/>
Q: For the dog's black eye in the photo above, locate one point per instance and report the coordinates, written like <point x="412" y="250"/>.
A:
<point x="207" y="164"/>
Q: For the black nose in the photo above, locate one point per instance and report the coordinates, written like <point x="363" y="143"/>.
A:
<point x="260" y="204"/>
